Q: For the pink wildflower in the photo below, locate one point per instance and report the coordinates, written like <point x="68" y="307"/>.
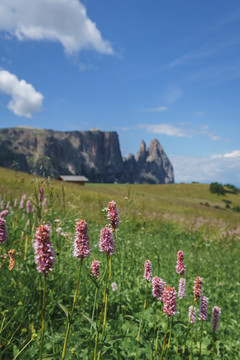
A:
<point x="44" y="202"/>
<point x="44" y="253"/>
<point x="8" y="205"/>
<point x="114" y="287"/>
<point x="81" y="242"/>
<point x="198" y="288"/>
<point x="180" y="268"/>
<point x="181" y="288"/>
<point x="148" y="270"/>
<point x="107" y="243"/>
<point x="15" y="203"/>
<point x="21" y="204"/>
<point x="3" y="231"/>
<point x="24" y="197"/>
<point x="192" y="314"/>
<point x="203" y="308"/>
<point x="3" y="213"/>
<point x="95" y="266"/>
<point x="2" y="205"/>
<point x="158" y="287"/>
<point x="216" y="311"/>
<point x="113" y="215"/>
<point x="169" y="300"/>
<point x="28" y="206"/>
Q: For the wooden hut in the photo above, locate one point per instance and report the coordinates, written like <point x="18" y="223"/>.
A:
<point x="76" y="179"/>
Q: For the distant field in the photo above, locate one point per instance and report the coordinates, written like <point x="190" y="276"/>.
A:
<point x="142" y="202"/>
<point x="155" y="222"/>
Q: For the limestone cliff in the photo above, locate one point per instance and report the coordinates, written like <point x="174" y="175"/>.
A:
<point x="94" y="154"/>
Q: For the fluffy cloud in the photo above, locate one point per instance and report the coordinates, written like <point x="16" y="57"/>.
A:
<point x="233" y="154"/>
<point x="220" y="168"/>
<point x="164" y="129"/>
<point x="55" y="20"/>
<point x="25" y="100"/>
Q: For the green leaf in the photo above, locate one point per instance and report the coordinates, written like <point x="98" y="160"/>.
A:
<point x="51" y="356"/>
<point x="15" y="350"/>
<point x="180" y="323"/>
<point x="65" y="310"/>
<point x="94" y="325"/>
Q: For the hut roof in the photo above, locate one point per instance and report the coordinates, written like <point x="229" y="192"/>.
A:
<point x="73" y="178"/>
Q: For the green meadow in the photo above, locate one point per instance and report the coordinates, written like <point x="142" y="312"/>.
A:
<point x="155" y="222"/>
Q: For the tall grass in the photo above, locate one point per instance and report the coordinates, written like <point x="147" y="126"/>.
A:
<point x="145" y="232"/>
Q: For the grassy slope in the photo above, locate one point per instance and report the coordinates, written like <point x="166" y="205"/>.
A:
<point x="180" y="199"/>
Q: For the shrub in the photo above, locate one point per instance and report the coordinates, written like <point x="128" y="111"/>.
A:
<point x="217" y="188"/>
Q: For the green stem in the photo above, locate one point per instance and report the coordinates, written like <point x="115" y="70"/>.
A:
<point x="140" y="324"/>
<point x="32" y="339"/>
<point x="156" y="343"/>
<point x="189" y="322"/>
<point x="154" y="331"/>
<point x="105" y="299"/>
<point x="43" y="316"/>
<point x="169" y="340"/>
<point x="71" y="315"/>
<point x="213" y="340"/>
<point x="94" y="305"/>
<point x="164" y="340"/>
<point x="191" y="352"/>
<point x="200" y="349"/>
<point x="4" y="262"/>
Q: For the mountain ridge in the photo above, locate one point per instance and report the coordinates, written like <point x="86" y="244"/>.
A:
<point x="95" y="154"/>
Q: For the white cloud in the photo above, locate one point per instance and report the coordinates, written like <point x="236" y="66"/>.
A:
<point x="157" y="109"/>
<point x="233" y="154"/>
<point x="65" y="21"/>
<point x="164" y="129"/>
<point x="206" y="169"/>
<point x="25" y="100"/>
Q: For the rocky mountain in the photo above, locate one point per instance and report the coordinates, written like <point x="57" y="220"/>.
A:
<point x="94" y="154"/>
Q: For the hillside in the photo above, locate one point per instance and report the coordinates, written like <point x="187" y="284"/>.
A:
<point x="148" y="203"/>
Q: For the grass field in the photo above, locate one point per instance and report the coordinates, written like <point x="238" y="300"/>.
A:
<point x="155" y="222"/>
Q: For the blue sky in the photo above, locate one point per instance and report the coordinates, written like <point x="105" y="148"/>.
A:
<point x="148" y="69"/>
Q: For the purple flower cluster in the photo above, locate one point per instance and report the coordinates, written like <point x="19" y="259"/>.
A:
<point x="21" y="205"/>
<point x="216" y="311"/>
<point x="169" y="300"/>
<point x="44" y="253"/>
<point x="3" y="231"/>
<point x="203" y="308"/>
<point x="81" y="242"/>
<point x="95" y="266"/>
<point x="181" y="288"/>
<point x="107" y="243"/>
<point x="158" y="286"/>
<point x="180" y="268"/>
<point x="113" y="215"/>
<point x="3" y="213"/>
<point x="192" y="314"/>
<point x="148" y="270"/>
<point x="28" y="206"/>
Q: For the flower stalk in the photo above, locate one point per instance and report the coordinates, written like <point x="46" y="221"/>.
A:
<point x="71" y="315"/>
